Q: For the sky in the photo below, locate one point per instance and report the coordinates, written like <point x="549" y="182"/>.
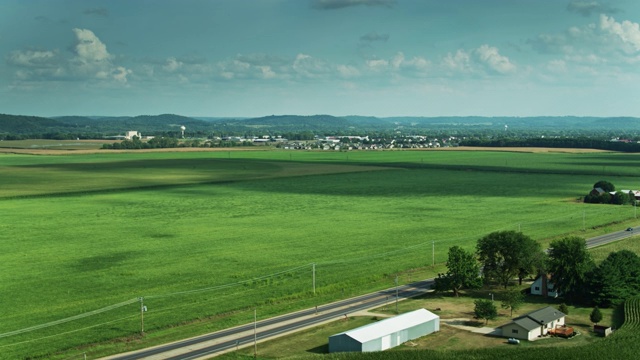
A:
<point x="246" y="58"/>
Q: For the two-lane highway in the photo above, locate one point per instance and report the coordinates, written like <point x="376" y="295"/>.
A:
<point x="215" y="343"/>
<point x="218" y="342"/>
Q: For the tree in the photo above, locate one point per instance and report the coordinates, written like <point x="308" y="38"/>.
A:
<point x="564" y="308"/>
<point x="595" y="316"/>
<point x="616" y="279"/>
<point x="604" y="185"/>
<point x="620" y="198"/>
<point x="507" y="254"/>
<point x="569" y="263"/>
<point x="512" y="300"/>
<point x="462" y="272"/>
<point x="485" y="309"/>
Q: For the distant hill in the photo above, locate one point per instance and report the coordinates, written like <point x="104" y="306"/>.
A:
<point x="21" y="125"/>
<point x="297" y="121"/>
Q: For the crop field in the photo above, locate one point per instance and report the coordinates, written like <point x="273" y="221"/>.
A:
<point x="206" y="237"/>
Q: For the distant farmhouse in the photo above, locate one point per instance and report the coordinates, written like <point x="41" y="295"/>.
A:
<point x="387" y="333"/>
<point x="544" y="287"/>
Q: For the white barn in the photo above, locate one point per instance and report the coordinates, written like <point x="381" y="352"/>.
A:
<point x="387" y="333"/>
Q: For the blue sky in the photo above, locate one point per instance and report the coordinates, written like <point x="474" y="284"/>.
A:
<point x="339" y="57"/>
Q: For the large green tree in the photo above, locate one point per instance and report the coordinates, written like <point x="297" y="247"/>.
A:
<point x="604" y="185"/>
<point x="617" y="278"/>
<point x="507" y="254"/>
<point x="569" y="264"/>
<point x="485" y="309"/>
<point x="463" y="272"/>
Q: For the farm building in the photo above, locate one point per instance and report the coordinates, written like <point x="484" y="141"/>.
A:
<point x="543" y="286"/>
<point x="534" y="324"/>
<point x="386" y="333"/>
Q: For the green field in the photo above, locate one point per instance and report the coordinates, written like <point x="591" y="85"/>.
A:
<point x="206" y="237"/>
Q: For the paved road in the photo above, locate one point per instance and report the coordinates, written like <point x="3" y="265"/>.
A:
<point x="215" y="343"/>
<point x="611" y="237"/>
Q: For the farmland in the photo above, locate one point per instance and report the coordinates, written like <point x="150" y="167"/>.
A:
<point x="206" y="237"/>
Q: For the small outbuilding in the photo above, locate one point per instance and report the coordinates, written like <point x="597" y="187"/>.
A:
<point x="387" y="333"/>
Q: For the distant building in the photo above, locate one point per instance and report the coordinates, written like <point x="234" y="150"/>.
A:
<point x="387" y="333"/>
<point x="130" y="134"/>
<point x="543" y="286"/>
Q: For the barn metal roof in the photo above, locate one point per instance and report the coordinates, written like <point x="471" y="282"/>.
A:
<point x="391" y="325"/>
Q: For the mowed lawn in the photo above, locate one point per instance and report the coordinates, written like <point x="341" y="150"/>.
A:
<point x="205" y="237"/>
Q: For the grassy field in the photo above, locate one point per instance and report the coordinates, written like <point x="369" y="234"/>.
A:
<point x="205" y="237"/>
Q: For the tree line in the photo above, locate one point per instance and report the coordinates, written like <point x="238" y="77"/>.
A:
<point x="503" y="256"/>
<point x="564" y="142"/>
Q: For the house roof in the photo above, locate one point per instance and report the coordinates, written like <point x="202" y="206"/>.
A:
<point x="538" y="318"/>
<point x="390" y="325"/>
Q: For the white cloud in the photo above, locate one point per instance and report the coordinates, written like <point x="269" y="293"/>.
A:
<point x="308" y="66"/>
<point x="399" y="63"/>
<point x="93" y="60"/>
<point x="267" y="72"/>
<point x="90" y="61"/>
<point x="347" y="71"/>
<point x="32" y="58"/>
<point x="458" y="62"/>
<point x="490" y="56"/>
<point x="120" y="74"/>
<point x="377" y="64"/>
<point x="89" y="49"/>
<point x="172" y="64"/>
<point x="253" y="66"/>
<point x="483" y="60"/>
<point x="628" y="32"/>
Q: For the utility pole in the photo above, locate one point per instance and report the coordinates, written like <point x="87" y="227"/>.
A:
<point x="584" y="226"/>
<point x="255" y="336"/>
<point x="396" y="293"/>
<point x="141" y="316"/>
<point x="314" y="278"/>
<point x="433" y="253"/>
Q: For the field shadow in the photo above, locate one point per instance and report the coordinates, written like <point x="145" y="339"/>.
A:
<point x="100" y="262"/>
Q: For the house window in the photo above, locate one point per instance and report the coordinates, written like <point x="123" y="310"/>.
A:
<point x="514" y="331"/>
<point x="537" y="288"/>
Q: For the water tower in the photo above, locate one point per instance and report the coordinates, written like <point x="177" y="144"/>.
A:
<point x="182" y="128"/>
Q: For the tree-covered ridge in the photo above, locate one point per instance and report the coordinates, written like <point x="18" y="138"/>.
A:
<point x="478" y="131"/>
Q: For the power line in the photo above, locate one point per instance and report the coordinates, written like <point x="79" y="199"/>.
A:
<point x="76" y="317"/>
